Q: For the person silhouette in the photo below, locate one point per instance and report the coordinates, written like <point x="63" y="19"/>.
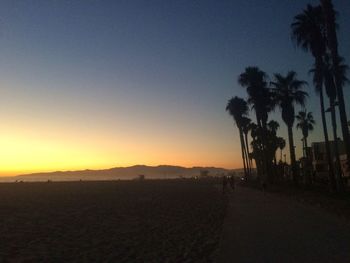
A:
<point x="224" y="184"/>
<point x="232" y="182"/>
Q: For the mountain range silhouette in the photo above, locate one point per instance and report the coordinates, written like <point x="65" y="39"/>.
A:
<point x="117" y="173"/>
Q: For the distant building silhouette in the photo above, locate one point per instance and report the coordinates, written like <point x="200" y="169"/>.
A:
<point x="319" y="162"/>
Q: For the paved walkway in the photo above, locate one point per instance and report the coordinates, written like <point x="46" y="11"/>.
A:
<point x="269" y="228"/>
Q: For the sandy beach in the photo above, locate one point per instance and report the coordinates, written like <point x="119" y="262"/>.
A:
<point x="120" y="221"/>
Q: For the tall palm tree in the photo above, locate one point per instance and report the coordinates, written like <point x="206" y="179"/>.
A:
<point x="332" y="42"/>
<point x="238" y="108"/>
<point x="306" y="124"/>
<point x="329" y="73"/>
<point x="308" y="32"/>
<point x="255" y="81"/>
<point x="288" y="93"/>
<point x="259" y="96"/>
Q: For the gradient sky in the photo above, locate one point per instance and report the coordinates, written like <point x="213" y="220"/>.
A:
<point x="96" y="84"/>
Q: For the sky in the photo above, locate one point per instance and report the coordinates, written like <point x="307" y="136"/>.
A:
<point x="97" y="84"/>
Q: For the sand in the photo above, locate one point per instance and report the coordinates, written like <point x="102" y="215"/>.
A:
<point x="121" y="221"/>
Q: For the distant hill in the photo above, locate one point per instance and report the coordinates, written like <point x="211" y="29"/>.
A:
<point x="150" y="172"/>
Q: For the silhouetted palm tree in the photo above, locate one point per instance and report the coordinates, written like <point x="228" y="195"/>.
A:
<point x="288" y="92"/>
<point x="281" y="145"/>
<point x="332" y="42"/>
<point x="306" y="124"/>
<point x="256" y="153"/>
<point x="238" y="108"/>
<point x="308" y="32"/>
<point x="260" y="97"/>
<point x="255" y="81"/>
<point x="329" y="73"/>
<point x="273" y="126"/>
<point x="273" y="141"/>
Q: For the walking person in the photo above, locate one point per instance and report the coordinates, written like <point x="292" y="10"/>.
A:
<point x="232" y="182"/>
<point x="224" y="184"/>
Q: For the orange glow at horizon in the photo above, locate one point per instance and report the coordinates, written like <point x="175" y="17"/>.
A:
<point x="40" y="150"/>
<point x="45" y="131"/>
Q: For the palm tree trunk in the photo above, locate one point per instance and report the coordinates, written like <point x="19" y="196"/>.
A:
<point x="246" y="158"/>
<point x="266" y="165"/>
<point x="332" y="181"/>
<point x="308" y="164"/>
<point x="344" y="122"/>
<point x="332" y="41"/>
<point x="262" y="126"/>
<point x="305" y="142"/>
<point x="247" y="152"/>
<point x="338" y="171"/>
<point x="243" y="150"/>
<point x="292" y="155"/>
<point x="304" y="163"/>
<point x="319" y="86"/>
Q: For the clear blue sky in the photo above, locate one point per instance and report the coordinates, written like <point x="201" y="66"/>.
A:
<point x="125" y="82"/>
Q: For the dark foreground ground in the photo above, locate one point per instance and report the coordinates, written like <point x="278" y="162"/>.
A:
<point x="149" y="221"/>
<point x="272" y="228"/>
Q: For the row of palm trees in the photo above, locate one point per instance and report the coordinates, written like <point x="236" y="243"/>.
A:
<point x="314" y="31"/>
<point x="284" y="92"/>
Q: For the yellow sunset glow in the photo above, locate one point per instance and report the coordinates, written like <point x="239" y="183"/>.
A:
<point x="55" y="133"/>
<point x="27" y="149"/>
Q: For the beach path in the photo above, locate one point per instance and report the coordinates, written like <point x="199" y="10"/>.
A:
<point x="271" y="228"/>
